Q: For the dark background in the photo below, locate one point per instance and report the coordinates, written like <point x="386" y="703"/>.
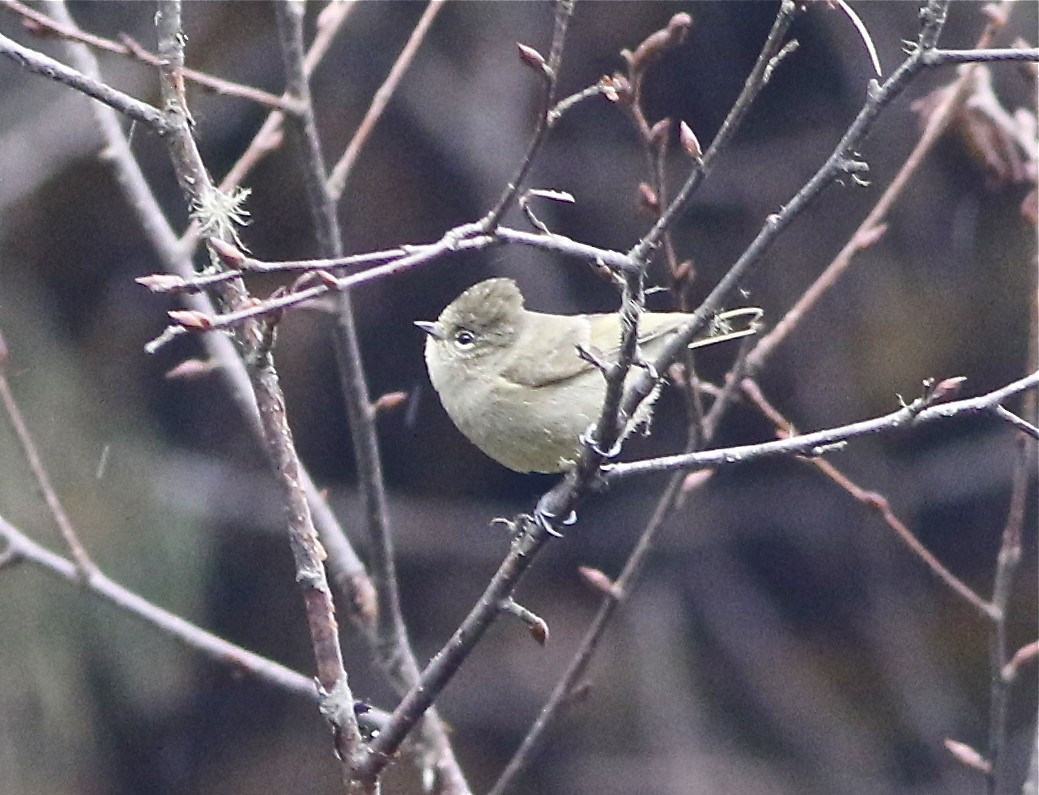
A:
<point x="781" y="639"/>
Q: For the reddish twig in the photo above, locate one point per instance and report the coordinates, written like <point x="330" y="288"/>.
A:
<point x="340" y="172"/>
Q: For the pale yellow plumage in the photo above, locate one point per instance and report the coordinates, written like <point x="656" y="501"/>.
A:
<point x="512" y="380"/>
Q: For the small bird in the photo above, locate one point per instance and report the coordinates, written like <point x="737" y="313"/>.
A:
<point x="514" y="383"/>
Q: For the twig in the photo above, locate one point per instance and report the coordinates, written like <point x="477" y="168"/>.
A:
<point x="612" y="598"/>
<point x="944" y="57"/>
<point x="130" y="48"/>
<point x="550" y="74"/>
<point x="1017" y="422"/>
<point x="85" y="565"/>
<point x="751" y="88"/>
<point x="337" y="701"/>
<point x="396" y="655"/>
<point x="819" y="442"/>
<point x="467" y="237"/>
<point x="341" y="170"/>
<point x="193" y="637"/>
<point x="873" y="501"/>
<point x="347" y="567"/>
<point x="268" y="137"/>
<point x="43" y="65"/>
<point x="872" y="225"/>
<point x="529" y="540"/>
<point x="1006" y="565"/>
<point x="1007" y="561"/>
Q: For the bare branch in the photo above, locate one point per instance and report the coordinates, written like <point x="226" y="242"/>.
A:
<point x="396" y="655"/>
<point x="32" y="455"/>
<point x="308" y="554"/>
<point x="194" y="638"/>
<point x="341" y="170"/>
<point x="43" y="65"/>
<point x="811" y="444"/>
<point x="130" y="48"/>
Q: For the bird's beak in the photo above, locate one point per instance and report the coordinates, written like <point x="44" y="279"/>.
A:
<point x="431" y="328"/>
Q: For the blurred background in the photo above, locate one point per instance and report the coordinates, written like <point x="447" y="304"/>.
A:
<point x="781" y="639"/>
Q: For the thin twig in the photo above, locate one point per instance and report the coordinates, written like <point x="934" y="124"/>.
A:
<point x="345" y="563"/>
<point x="1007" y="561"/>
<point x="467" y="237"/>
<point x="529" y="540"/>
<point x="820" y="442"/>
<point x="872" y="500"/>
<point x="613" y="596"/>
<point x="173" y="626"/>
<point x="550" y="73"/>
<point x="340" y="172"/>
<point x="130" y="48"/>
<point x="268" y="137"/>
<point x="1017" y="422"/>
<point x="85" y="565"/>
<point x="751" y="88"/>
<point x="43" y="65"/>
<point x="872" y="225"/>
<point x="308" y="555"/>
<point x="396" y="655"/>
<point x="945" y="57"/>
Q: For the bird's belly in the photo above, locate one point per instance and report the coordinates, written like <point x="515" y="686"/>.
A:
<point x="528" y="429"/>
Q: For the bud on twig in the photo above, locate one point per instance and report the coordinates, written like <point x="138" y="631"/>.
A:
<point x="695" y="480"/>
<point x="162" y="282"/>
<point x="388" y="401"/>
<point x="659" y="132"/>
<point x="657" y="42"/>
<point x="327" y="279"/>
<point x="683" y="271"/>
<point x="191" y="368"/>
<point x="229" y="255"/>
<point x="1021" y="656"/>
<point x="946" y="388"/>
<point x="648" y="197"/>
<point x="534" y="60"/>
<point x="190" y="319"/>
<point x="600" y="582"/>
<point x="689" y="142"/>
<point x="966" y="755"/>
<point x="616" y="88"/>
<point x="536" y="625"/>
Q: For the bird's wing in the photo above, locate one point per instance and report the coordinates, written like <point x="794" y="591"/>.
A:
<point x="655" y="327"/>
<point x="546" y="350"/>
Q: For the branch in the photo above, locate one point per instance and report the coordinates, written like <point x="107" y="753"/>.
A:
<point x="528" y="541"/>
<point x="21" y="547"/>
<point x="32" y="455"/>
<point x="944" y="57"/>
<point x="874" y="501"/>
<point x="819" y="442"/>
<point x="872" y="225"/>
<point x="175" y="258"/>
<point x="613" y="595"/>
<point x="393" y="646"/>
<point x="308" y="554"/>
<point x="131" y="49"/>
<point x="341" y="170"/>
<point x="43" y="65"/>
<point x="752" y="86"/>
<point x="550" y="75"/>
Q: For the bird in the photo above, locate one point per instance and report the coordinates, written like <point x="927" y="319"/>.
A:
<point x="524" y="386"/>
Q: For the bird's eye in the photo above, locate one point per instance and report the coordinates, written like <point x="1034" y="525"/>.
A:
<point x="464" y="338"/>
